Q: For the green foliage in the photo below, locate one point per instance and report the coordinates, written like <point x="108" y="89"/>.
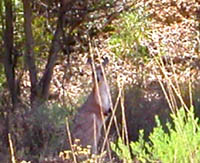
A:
<point x="42" y="36"/>
<point x="2" y="11"/>
<point x="130" y="30"/>
<point x="2" y="78"/>
<point x="121" y="150"/>
<point x="46" y="132"/>
<point x="2" y="24"/>
<point x="18" y="26"/>
<point x="53" y="114"/>
<point x="180" y="144"/>
<point x="138" y="148"/>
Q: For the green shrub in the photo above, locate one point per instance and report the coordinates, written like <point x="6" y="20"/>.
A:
<point x="180" y="144"/>
<point x="45" y="133"/>
<point x="121" y="150"/>
<point x="130" y="30"/>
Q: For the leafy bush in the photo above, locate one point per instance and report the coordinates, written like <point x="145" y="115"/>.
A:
<point x="180" y="144"/>
<point x="121" y="150"/>
<point x="130" y="30"/>
<point x="44" y="132"/>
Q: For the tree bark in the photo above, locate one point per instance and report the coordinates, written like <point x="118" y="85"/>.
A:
<point x="29" y="54"/>
<point x="8" y="59"/>
<point x="8" y="63"/>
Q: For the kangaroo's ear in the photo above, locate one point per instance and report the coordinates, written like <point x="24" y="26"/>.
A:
<point x="105" y="62"/>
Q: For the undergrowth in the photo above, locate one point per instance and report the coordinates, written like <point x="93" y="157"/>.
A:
<point x="180" y="144"/>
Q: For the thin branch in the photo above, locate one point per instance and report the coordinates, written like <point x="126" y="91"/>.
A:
<point x="12" y="153"/>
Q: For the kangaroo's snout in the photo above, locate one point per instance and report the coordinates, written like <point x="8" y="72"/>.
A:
<point x="108" y="112"/>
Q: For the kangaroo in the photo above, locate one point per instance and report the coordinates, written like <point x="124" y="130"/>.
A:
<point x="92" y="115"/>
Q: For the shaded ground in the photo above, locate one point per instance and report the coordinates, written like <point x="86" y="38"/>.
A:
<point x="141" y="107"/>
<point x="143" y="104"/>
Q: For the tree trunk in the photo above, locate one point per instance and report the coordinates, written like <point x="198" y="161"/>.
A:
<point x="56" y="45"/>
<point x="55" y="48"/>
<point x="9" y="63"/>
<point x="8" y="59"/>
<point x="29" y="54"/>
<point x="40" y="93"/>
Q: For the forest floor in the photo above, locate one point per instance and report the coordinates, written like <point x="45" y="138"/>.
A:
<point x="174" y="34"/>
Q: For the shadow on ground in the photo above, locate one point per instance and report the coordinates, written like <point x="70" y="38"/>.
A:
<point x="142" y="104"/>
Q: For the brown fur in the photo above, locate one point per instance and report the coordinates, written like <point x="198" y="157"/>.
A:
<point x="90" y="114"/>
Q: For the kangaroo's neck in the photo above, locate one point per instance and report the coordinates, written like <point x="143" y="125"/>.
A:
<point x="98" y="100"/>
<point x="101" y="94"/>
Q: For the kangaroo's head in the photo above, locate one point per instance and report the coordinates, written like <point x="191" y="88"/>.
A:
<point x="101" y="88"/>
